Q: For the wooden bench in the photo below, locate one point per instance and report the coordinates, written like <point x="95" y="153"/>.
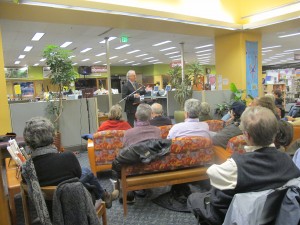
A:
<point x="187" y="161"/>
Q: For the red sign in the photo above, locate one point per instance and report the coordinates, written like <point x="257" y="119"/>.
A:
<point x="175" y="63"/>
<point x="99" y="69"/>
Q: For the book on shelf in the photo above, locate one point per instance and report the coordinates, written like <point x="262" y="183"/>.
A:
<point x="19" y="155"/>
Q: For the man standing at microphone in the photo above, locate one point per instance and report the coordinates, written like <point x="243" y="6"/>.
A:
<point x="132" y="100"/>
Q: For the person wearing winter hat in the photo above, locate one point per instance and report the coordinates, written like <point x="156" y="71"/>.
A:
<point x="231" y="129"/>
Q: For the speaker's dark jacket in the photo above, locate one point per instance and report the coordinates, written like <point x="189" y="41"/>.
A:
<point x="131" y="103"/>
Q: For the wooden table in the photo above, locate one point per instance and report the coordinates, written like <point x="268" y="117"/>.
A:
<point x="13" y="185"/>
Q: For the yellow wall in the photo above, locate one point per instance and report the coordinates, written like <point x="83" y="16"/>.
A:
<point x="5" y="125"/>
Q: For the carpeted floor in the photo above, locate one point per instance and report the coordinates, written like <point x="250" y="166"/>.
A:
<point x="143" y="212"/>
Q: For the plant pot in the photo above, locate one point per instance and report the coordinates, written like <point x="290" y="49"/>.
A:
<point x="179" y="116"/>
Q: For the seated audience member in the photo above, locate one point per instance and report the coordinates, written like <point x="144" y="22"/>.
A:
<point x="142" y="130"/>
<point x="231" y="130"/>
<point x="268" y="102"/>
<point x="157" y="116"/>
<point x="191" y="126"/>
<point x="262" y="167"/>
<point x="114" y="121"/>
<point x="279" y="102"/>
<point x="53" y="167"/>
<point x="204" y="113"/>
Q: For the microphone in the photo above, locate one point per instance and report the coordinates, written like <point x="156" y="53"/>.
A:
<point x="141" y="85"/>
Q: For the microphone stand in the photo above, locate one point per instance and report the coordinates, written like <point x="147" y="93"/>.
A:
<point x="130" y="94"/>
<point x="87" y="104"/>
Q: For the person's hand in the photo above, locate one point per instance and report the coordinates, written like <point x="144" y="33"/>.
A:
<point x="289" y="118"/>
<point x="136" y="95"/>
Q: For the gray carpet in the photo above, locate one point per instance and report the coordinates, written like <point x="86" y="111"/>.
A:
<point x="143" y="212"/>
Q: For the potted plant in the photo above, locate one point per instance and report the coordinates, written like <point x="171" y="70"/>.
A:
<point x="62" y="74"/>
<point x="196" y="75"/>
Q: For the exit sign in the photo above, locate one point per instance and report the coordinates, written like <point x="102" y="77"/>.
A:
<point x="124" y="39"/>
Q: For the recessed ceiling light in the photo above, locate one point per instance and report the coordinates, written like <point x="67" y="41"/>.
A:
<point x="27" y="48"/>
<point x="109" y="39"/>
<point x="166" y="49"/>
<point x="175" y="56"/>
<point x="113" y="57"/>
<point x="208" y="50"/>
<point x="141" y="55"/>
<point x="72" y="56"/>
<point x="157" y="63"/>
<point x="161" y="43"/>
<point x="17" y="62"/>
<point x="103" y="53"/>
<point x="21" y="56"/>
<point x="204" y="46"/>
<point x="85" y="60"/>
<point x="171" y="53"/>
<point x="133" y="51"/>
<point x="148" y="58"/>
<point x="264" y="51"/>
<point x="97" y="62"/>
<point x="276" y="46"/>
<point x="289" y="35"/>
<point x="122" y="46"/>
<point x="206" y="57"/>
<point x="154" y="60"/>
<point x="85" y="50"/>
<point x="122" y="60"/>
<point x="136" y="64"/>
<point x="37" y="36"/>
<point x="42" y="60"/>
<point x="74" y="64"/>
<point x="204" y="54"/>
<point x="66" y="44"/>
<point x="36" y="64"/>
<point x="292" y="50"/>
<point x="129" y="62"/>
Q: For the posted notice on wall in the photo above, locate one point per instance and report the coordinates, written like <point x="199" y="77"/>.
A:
<point x="220" y="82"/>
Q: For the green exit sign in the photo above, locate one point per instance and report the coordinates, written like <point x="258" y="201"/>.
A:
<point x="124" y="39"/>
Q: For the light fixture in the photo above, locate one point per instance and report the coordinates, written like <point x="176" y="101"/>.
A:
<point x="129" y="62"/>
<point x="103" y="53"/>
<point x="21" y="56"/>
<point x="27" y="48"/>
<point x="207" y="50"/>
<point x="72" y="56"/>
<point x="148" y="58"/>
<point x="172" y="53"/>
<point x="86" y="50"/>
<point x="97" y="62"/>
<point x="17" y="62"/>
<point x="176" y="56"/>
<point x="264" y="51"/>
<point x="161" y="43"/>
<point x="166" y="49"/>
<point x="84" y="60"/>
<point x="289" y="35"/>
<point x="122" y="46"/>
<point x="42" y="60"/>
<point x="122" y="60"/>
<point x="66" y="44"/>
<point x="204" y="46"/>
<point x="74" y="64"/>
<point x="157" y="63"/>
<point x="141" y="55"/>
<point x="36" y="64"/>
<point x="206" y="57"/>
<point x="37" y="36"/>
<point x="133" y="51"/>
<point x="113" y="57"/>
<point x="136" y="64"/>
<point x="276" y="46"/>
<point x="292" y="50"/>
<point x="204" y="54"/>
<point x="154" y="60"/>
<point x="109" y="39"/>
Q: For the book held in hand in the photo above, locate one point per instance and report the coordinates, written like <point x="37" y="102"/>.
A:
<point x="18" y="154"/>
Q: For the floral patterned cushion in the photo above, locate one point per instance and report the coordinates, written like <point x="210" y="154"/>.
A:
<point x="107" y="145"/>
<point x="164" y="131"/>
<point x="236" y="144"/>
<point x="215" y="125"/>
<point x="185" y="152"/>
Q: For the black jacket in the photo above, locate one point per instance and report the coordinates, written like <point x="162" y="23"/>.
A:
<point x="142" y="152"/>
<point x="131" y="102"/>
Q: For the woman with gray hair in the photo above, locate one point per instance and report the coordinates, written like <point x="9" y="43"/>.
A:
<point x="114" y="121"/>
<point x="53" y="167"/>
<point x="204" y="112"/>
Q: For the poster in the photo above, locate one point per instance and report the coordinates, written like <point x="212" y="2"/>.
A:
<point x="220" y="82"/>
<point x="16" y="72"/>
<point x="252" y="68"/>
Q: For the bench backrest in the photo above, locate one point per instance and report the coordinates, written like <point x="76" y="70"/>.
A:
<point x="215" y="125"/>
<point x="236" y="144"/>
<point x="185" y="152"/>
<point x="164" y="131"/>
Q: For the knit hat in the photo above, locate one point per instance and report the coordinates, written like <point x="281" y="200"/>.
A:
<point x="238" y="108"/>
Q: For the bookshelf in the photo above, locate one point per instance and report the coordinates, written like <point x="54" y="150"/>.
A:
<point x="270" y="88"/>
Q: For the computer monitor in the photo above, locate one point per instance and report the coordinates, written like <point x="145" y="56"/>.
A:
<point x="168" y="88"/>
<point x="155" y="88"/>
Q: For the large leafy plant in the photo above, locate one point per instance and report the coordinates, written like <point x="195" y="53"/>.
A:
<point x="62" y="74"/>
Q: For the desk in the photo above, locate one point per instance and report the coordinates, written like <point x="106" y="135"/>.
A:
<point x="13" y="185"/>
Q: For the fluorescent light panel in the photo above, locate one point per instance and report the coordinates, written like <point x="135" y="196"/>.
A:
<point x="74" y="64"/>
<point x="157" y="63"/>
<point x="136" y="64"/>
<point x="122" y="60"/>
<point x="66" y="44"/>
<point x="27" y="48"/>
<point x="86" y="50"/>
<point x="289" y="35"/>
<point x="97" y="62"/>
<point x="172" y="53"/>
<point x="166" y="49"/>
<point x="129" y="62"/>
<point x="113" y="57"/>
<point x="109" y="39"/>
<point x="154" y="60"/>
<point x="266" y="51"/>
<point x="36" y="64"/>
<point x="85" y="60"/>
<point x="148" y="58"/>
<point x="204" y="46"/>
<point x="292" y="50"/>
<point x="42" y="60"/>
<point x="176" y="56"/>
<point x="133" y="51"/>
<point x="17" y="62"/>
<point x="103" y="53"/>
<point x="72" y="56"/>
<point x="21" y="56"/>
<point x="122" y="46"/>
<point x="207" y="50"/>
<point x="141" y="55"/>
<point x="161" y="43"/>
<point x="204" y="54"/>
<point x="276" y="46"/>
<point x="37" y="36"/>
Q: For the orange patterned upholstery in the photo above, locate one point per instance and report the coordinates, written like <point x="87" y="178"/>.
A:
<point x="236" y="144"/>
<point x="185" y="152"/>
<point x="164" y="131"/>
<point x="215" y="125"/>
<point x="103" y="149"/>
